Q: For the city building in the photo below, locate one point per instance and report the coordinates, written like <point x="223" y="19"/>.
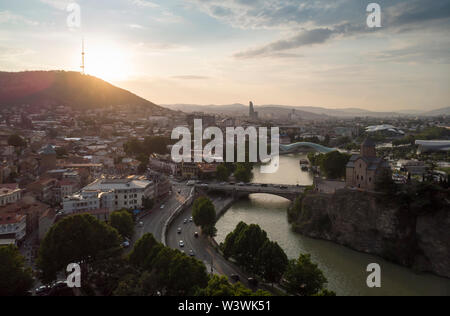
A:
<point x="9" y="193"/>
<point x="12" y="228"/>
<point x="252" y="113"/>
<point x="110" y="194"/>
<point x="363" y="170"/>
<point x="47" y="158"/>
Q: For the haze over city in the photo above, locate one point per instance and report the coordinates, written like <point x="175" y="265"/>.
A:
<point x="301" y="53"/>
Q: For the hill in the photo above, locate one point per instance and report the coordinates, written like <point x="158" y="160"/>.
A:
<point x="53" y="88"/>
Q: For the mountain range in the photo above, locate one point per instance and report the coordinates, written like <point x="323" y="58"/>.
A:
<point x="306" y="112"/>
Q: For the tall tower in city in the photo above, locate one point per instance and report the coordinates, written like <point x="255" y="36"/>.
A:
<point x="252" y="113"/>
<point x="82" y="57"/>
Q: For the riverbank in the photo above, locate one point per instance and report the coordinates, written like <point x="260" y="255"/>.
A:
<point x="344" y="268"/>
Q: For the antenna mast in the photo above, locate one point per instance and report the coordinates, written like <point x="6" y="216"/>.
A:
<point x="82" y="57"/>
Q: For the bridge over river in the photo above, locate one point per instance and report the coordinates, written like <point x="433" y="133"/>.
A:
<point x="290" y="192"/>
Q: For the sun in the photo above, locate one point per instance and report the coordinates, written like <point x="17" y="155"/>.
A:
<point x="108" y="62"/>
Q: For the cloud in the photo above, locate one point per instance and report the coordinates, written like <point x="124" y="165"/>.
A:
<point x="7" y="17"/>
<point x="58" y="4"/>
<point x="145" y="3"/>
<point x="318" y="21"/>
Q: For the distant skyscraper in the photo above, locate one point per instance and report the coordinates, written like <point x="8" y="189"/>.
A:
<point x="252" y="113"/>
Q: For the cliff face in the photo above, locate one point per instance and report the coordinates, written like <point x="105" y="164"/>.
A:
<point x="368" y="223"/>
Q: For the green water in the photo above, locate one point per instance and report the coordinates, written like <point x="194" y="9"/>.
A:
<point x="345" y="269"/>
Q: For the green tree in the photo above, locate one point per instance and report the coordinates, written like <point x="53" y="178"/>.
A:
<point x="16" y="141"/>
<point x="204" y="215"/>
<point x="243" y="172"/>
<point x="247" y="245"/>
<point x="79" y="238"/>
<point x="273" y="261"/>
<point x="222" y="173"/>
<point x="229" y="244"/>
<point x="123" y="222"/>
<point x="143" y="251"/>
<point x="220" y="286"/>
<point x="15" y="279"/>
<point x="334" y="164"/>
<point x="304" y="277"/>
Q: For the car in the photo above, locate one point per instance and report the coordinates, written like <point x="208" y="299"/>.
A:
<point x="141" y="224"/>
<point x="59" y="285"/>
<point x="191" y="253"/>
<point x="191" y="219"/>
<point x="179" y="230"/>
<point x="163" y="206"/>
<point x="235" y="277"/>
<point x="125" y="244"/>
<point x="185" y="221"/>
<point x="196" y="234"/>
<point x="241" y="184"/>
<point x="181" y="243"/>
<point x="42" y="290"/>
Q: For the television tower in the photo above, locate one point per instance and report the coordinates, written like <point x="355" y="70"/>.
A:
<point x="82" y="57"/>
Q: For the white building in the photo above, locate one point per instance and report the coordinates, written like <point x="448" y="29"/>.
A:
<point x="9" y="193"/>
<point x="110" y="194"/>
<point x="13" y="228"/>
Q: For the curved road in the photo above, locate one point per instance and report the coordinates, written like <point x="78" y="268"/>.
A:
<point x="153" y="223"/>
<point x="202" y="249"/>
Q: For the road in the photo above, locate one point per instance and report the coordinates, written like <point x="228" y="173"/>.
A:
<point x="202" y="249"/>
<point x="153" y="223"/>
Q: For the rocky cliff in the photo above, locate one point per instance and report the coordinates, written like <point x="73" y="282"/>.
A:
<point x="371" y="223"/>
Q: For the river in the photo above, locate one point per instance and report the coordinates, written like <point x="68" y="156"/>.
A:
<point x="344" y="268"/>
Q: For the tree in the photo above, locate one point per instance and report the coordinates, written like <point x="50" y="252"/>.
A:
<point x="220" y="286"/>
<point x="243" y="172"/>
<point x="246" y="246"/>
<point x="79" y="238"/>
<point x="143" y="251"/>
<point x="123" y="222"/>
<point x="304" y="277"/>
<point x="16" y="141"/>
<point x="15" y="279"/>
<point x="334" y="164"/>
<point x="229" y="244"/>
<point x="204" y="215"/>
<point x="273" y="261"/>
<point x="222" y="173"/>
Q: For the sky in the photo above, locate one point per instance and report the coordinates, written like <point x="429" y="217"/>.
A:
<point x="286" y="52"/>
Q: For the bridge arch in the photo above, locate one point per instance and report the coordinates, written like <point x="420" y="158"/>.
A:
<point x="316" y="147"/>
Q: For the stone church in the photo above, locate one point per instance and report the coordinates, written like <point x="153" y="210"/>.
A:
<point x="364" y="169"/>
